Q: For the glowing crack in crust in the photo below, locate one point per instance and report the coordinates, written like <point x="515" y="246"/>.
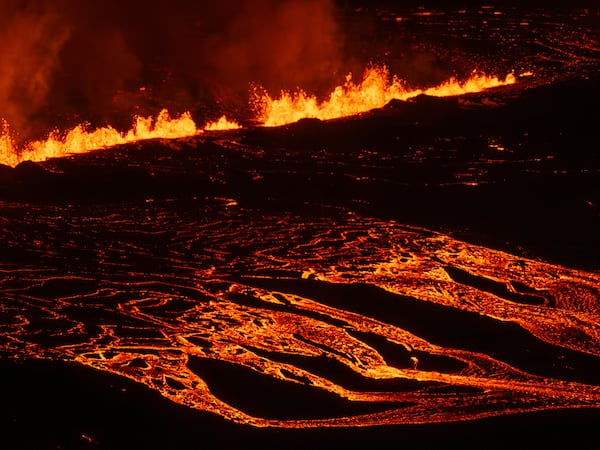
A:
<point x="396" y="324"/>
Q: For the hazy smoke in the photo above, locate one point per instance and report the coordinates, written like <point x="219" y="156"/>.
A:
<point x="77" y="60"/>
<point x="30" y="41"/>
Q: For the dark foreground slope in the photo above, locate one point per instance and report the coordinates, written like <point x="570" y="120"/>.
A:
<point x="50" y="405"/>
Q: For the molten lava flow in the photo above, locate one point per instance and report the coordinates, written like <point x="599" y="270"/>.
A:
<point x="352" y="321"/>
<point x="374" y="91"/>
<point x="81" y="140"/>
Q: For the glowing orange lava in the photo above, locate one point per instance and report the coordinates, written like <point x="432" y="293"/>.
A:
<point x="222" y="124"/>
<point x="81" y="140"/>
<point x="374" y="91"/>
<point x="370" y="313"/>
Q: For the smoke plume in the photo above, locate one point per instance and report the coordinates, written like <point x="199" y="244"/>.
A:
<point x="30" y="42"/>
<point x="75" y="61"/>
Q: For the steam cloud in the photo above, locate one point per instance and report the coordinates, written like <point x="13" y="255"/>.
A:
<point x="72" y="61"/>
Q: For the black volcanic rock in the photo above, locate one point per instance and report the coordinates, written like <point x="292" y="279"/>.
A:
<point x="29" y="170"/>
<point x="6" y="175"/>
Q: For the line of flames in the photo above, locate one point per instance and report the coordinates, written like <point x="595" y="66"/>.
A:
<point x="374" y="91"/>
<point x="81" y="140"/>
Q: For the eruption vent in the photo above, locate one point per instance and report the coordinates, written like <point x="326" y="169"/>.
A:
<point x="81" y="140"/>
<point x="374" y="91"/>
